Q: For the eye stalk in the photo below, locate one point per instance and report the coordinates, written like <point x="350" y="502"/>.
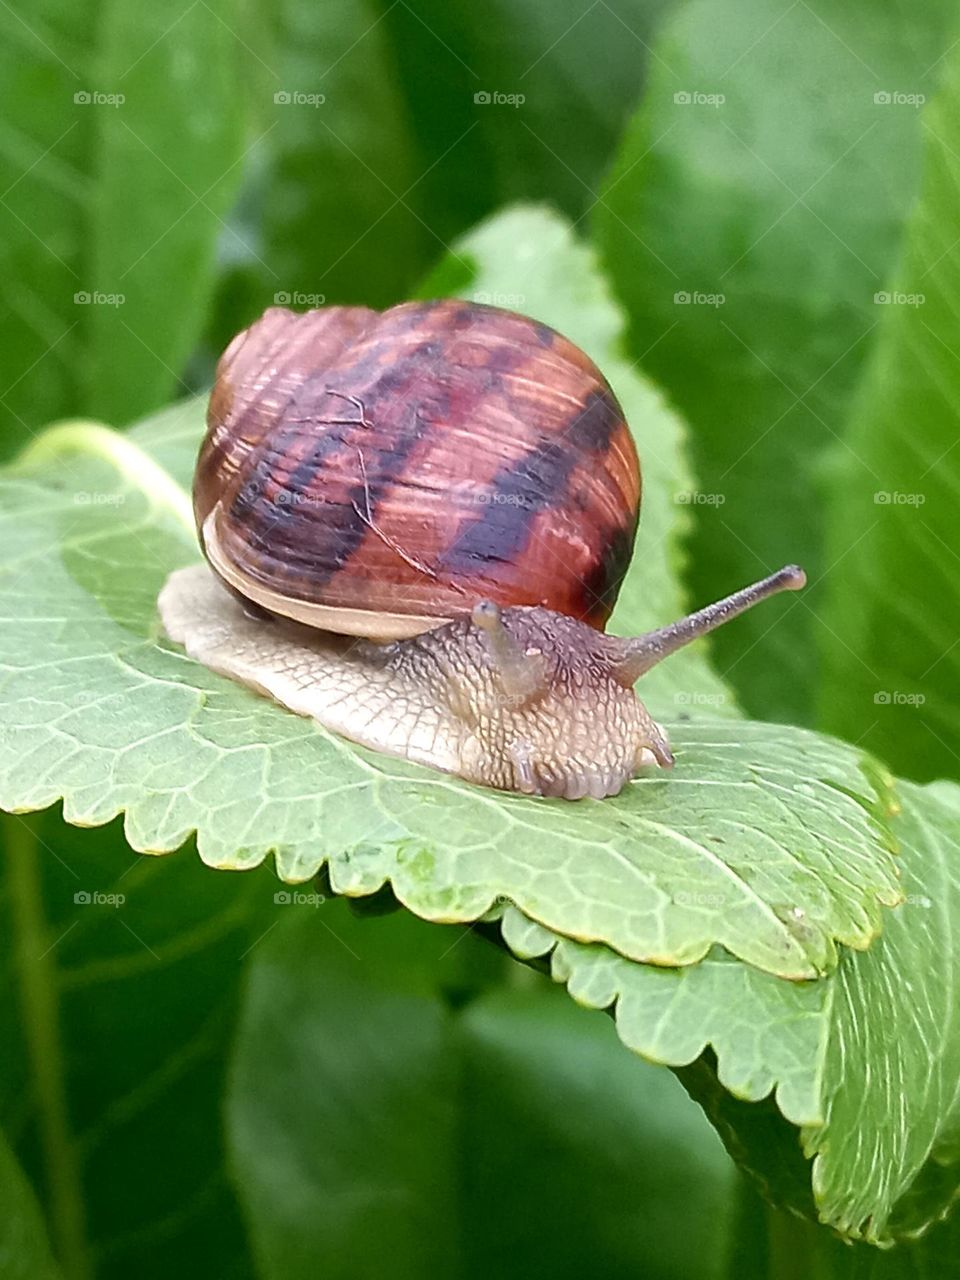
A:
<point x="638" y="654"/>
<point x="522" y="672"/>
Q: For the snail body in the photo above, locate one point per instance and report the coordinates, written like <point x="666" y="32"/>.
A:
<point x="418" y="522"/>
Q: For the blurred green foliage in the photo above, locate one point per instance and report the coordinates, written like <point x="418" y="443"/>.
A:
<point x="168" y="172"/>
<point x="198" y="162"/>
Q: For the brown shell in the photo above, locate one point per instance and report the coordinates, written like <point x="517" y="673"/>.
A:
<point x="406" y="463"/>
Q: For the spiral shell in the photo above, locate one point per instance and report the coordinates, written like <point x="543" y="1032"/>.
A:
<point x="376" y="473"/>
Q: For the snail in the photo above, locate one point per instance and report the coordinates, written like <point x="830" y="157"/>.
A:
<point x="417" y="522"/>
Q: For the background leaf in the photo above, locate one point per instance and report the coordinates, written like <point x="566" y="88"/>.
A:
<point x="788" y="200"/>
<point x="75" y="155"/>
<point x="177" y="139"/>
<point x="370" y="1080"/>
<point x="358" y="234"/>
<point x="891" y="657"/>
<point x="359" y="193"/>
<point x="24" y="1249"/>
<point x="866" y="1062"/>
<point x="522" y="101"/>
<point x="118" y="979"/>
<point x="43" y="193"/>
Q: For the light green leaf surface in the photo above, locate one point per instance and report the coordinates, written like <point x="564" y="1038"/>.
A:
<point x="767" y="840"/>
<point x="866" y="1062"/>
<point x="371" y="1079"/>
<point x="764" y="170"/>
<point x="892" y="659"/>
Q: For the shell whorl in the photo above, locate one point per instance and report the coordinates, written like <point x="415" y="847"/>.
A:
<point x="401" y="465"/>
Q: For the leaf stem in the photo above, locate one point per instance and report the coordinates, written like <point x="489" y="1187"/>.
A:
<point x="37" y="972"/>
<point x="133" y="463"/>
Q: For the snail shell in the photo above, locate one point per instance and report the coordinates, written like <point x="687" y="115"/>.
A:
<point x="455" y="485"/>
<point x="376" y="474"/>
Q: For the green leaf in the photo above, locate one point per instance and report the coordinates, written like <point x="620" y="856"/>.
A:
<point x="177" y="140"/>
<point x="24" y="1248"/>
<point x="41" y="210"/>
<point x="118" y="993"/>
<point x="865" y="1062"/>
<point x="363" y="189"/>
<point x="890" y="646"/>
<point x="517" y="100"/>
<point x="104" y="299"/>
<point x="769" y="840"/>
<point x="367" y="1079"/>
<point x="341" y="204"/>
<point x="787" y="199"/>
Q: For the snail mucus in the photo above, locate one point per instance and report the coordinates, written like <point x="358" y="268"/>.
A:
<point x="416" y="523"/>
